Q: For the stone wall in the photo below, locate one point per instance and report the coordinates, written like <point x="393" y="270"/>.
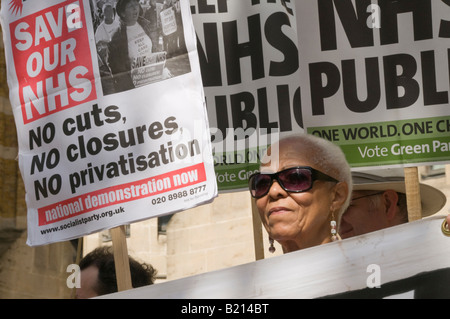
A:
<point x="25" y="272"/>
<point x="38" y="272"/>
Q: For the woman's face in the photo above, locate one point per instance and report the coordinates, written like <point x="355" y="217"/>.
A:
<point x="108" y="12"/>
<point x="296" y="220"/>
<point x="131" y="12"/>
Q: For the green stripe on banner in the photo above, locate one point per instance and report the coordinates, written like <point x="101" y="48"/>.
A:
<point x="234" y="176"/>
<point x="393" y="142"/>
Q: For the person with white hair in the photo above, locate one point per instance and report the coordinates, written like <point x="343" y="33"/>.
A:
<point x="301" y="191"/>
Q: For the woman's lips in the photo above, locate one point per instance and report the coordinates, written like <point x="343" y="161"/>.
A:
<point x="277" y="210"/>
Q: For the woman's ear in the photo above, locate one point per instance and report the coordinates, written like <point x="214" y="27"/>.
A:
<point x="340" y="195"/>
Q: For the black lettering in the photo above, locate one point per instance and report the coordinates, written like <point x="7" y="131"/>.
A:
<point x="83" y="125"/>
<point x="284" y="109"/>
<point x="112" y="114"/>
<point x="68" y="127"/>
<point x="234" y="50"/>
<point x="245" y="114"/>
<point x="96" y="111"/>
<point x="170" y="125"/>
<point x="349" y="81"/>
<point x="37" y="137"/>
<point x="422" y="19"/>
<point x="430" y="94"/>
<point x="275" y="36"/>
<point x="110" y="142"/>
<point x="264" y="110"/>
<point x="53" y="186"/>
<point x="319" y="91"/>
<point x="222" y="114"/>
<point x="209" y="56"/>
<point x="354" y="23"/>
<point x="155" y="130"/>
<point x="405" y="79"/>
<point x="297" y="107"/>
<point x="204" y="7"/>
<point x="444" y="28"/>
<point x="94" y="145"/>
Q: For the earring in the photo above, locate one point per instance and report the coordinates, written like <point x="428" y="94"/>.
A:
<point x="333" y="231"/>
<point x="272" y="247"/>
<point x="334" y="235"/>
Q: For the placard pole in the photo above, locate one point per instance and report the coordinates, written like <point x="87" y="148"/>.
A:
<point x="121" y="259"/>
<point x="414" y="203"/>
<point x="257" y="232"/>
<point x="77" y="261"/>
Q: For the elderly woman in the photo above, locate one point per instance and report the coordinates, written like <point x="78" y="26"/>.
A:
<point x="301" y="191"/>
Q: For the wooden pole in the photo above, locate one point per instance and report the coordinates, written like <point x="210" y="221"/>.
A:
<point x="121" y="259"/>
<point x="257" y="232"/>
<point x="413" y="199"/>
<point x="77" y="260"/>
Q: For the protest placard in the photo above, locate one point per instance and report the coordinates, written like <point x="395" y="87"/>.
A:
<point x="375" y="79"/>
<point x="104" y="140"/>
<point x="249" y="61"/>
<point x="379" y="94"/>
<point x="168" y="21"/>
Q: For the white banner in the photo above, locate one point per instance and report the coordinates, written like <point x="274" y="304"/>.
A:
<point x="105" y="139"/>
<point x="375" y="80"/>
<point x="407" y="261"/>
<point x="250" y="68"/>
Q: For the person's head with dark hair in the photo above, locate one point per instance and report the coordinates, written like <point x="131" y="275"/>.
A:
<point x="98" y="273"/>
<point x="128" y="11"/>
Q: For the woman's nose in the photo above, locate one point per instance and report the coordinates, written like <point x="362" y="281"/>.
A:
<point x="276" y="190"/>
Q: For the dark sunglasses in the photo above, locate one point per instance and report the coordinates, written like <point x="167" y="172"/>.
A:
<point x="295" y="179"/>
